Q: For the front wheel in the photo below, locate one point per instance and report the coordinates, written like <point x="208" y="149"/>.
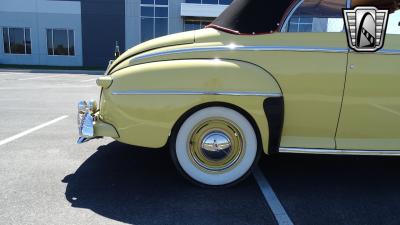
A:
<point x="215" y="146"/>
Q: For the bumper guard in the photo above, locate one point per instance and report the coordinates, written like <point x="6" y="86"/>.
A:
<point x="86" y="118"/>
<point x="89" y="124"/>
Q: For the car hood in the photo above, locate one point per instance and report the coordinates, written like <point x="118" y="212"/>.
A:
<point x="165" y="41"/>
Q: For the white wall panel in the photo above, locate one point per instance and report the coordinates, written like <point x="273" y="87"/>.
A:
<point x="40" y="6"/>
<point x="201" y="10"/>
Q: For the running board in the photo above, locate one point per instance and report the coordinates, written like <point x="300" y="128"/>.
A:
<point x="339" y="151"/>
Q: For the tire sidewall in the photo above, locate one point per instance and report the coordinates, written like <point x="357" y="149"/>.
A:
<point x="183" y="160"/>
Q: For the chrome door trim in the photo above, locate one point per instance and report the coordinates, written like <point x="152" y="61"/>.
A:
<point x="348" y="4"/>
<point x="389" y="52"/>
<point x="291" y="48"/>
<point x="174" y="92"/>
<point x="339" y="151"/>
<point x="380" y="52"/>
<point x="233" y="47"/>
<point x="285" y="24"/>
<point x="287" y="19"/>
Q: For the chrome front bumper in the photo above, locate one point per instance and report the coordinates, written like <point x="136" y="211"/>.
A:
<point x="86" y="119"/>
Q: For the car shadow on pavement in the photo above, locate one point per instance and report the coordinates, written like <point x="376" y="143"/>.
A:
<point x="336" y="189"/>
<point x="141" y="186"/>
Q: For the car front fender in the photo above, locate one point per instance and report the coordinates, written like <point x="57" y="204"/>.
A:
<point x="145" y="101"/>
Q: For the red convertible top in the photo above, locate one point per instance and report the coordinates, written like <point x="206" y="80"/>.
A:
<point x="265" y="16"/>
<point x="391" y="5"/>
<point x="252" y="16"/>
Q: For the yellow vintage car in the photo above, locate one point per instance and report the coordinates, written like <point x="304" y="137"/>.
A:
<point x="265" y="77"/>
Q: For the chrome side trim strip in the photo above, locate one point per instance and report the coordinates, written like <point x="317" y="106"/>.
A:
<point x="256" y="48"/>
<point x="172" y="92"/>
<point x="389" y="52"/>
<point x="289" y="48"/>
<point x="339" y="152"/>
<point x="242" y="48"/>
<point x="348" y="4"/>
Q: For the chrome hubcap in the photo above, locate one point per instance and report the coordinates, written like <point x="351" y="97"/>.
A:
<point x="216" y="145"/>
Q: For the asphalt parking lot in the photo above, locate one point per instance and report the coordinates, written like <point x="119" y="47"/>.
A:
<point x="45" y="178"/>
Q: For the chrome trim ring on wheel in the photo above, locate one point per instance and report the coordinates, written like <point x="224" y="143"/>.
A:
<point x="215" y="145"/>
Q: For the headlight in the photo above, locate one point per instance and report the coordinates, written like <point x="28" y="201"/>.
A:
<point x="104" y="82"/>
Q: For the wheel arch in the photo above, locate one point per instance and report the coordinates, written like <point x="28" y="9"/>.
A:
<point x="274" y="109"/>
<point x="238" y="109"/>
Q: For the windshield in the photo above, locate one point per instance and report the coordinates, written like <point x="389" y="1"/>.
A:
<point x="252" y="16"/>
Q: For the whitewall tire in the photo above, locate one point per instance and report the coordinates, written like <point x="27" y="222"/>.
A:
<point x="215" y="146"/>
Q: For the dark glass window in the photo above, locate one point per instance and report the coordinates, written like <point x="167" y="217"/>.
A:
<point x="161" y="11"/>
<point x="195" y="24"/>
<point x="300" y="24"/>
<point x="225" y="2"/>
<point x="6" y="41"/>
<point x="210" y="1"/>
<point x="318" y="16"/>
<point x="28" y="41"/>
<point x="154" y="19"/>
<point x="161" y="27"/>
<point x="147" y="11"/>
<point x="71" y="42"/>
<point x="49" y="42"/>
<point x="17" y="44"/>
<point x="151" y="2"/>
<point x="17" y="40"/>
<point x="161" y="2"/>
<point x="60" y="42"/>
<point x="147" y="28"/>
<point x="192" y="25"/>
<point x="216" y="2"/>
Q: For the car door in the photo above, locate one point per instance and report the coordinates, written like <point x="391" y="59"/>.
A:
<point x="312" y="81"/>
<point x="370" y="115"/>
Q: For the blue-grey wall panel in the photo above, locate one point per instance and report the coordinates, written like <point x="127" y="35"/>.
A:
<point x="103" y="23"/>
<point x="38" y="23"/>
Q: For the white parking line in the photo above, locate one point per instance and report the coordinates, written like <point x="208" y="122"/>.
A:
<point x="11" y="73"/>
<point x="42" y="77"/>
<point x="47" y="87"/>
<point x="15" y="76"/>
<point x="274" y="204"/>
<point x="88" y="80"/>
<point x="10" y="139"/>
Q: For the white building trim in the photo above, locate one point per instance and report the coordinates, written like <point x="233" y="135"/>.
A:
<point x="201" y="10"/>
<point x="39" y="15"/>
<point x="40" y="6"/>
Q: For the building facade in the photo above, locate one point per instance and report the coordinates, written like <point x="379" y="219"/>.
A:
<point x="40" y="32"/>
<point x="84" y="32"/>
